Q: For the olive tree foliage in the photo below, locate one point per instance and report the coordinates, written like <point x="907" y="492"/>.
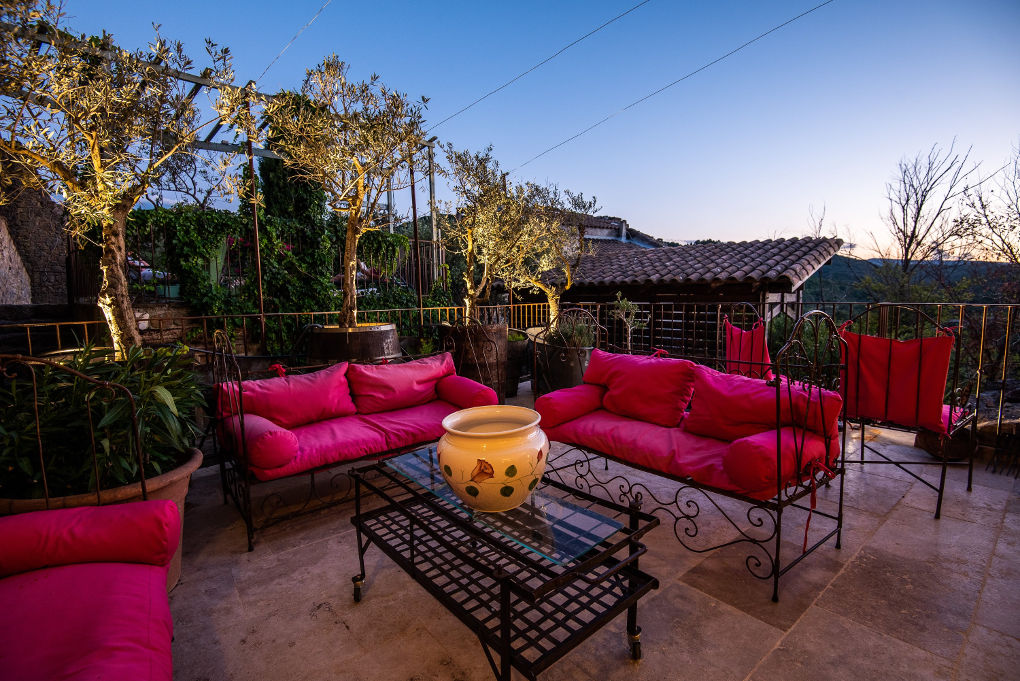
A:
<point x="551" y="246"/>
<point x="94" y="125"/>
<point x="489" y="227"/>
<point x="354" y="139"/>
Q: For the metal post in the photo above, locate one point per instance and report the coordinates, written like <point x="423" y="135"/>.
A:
<point x="417" y="244"/>
<point x="258" y="250"/>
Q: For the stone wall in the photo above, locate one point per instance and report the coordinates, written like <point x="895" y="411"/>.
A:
<point x="15" y="286"/>
<point x="36" y="227"/>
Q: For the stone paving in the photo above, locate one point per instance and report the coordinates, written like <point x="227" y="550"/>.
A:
<point x="907" y="597"/>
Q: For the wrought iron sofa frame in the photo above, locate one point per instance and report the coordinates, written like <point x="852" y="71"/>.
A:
<point x="813" y="358"/>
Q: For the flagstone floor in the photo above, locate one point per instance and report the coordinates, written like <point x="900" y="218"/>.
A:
<point x="906" y="597"/>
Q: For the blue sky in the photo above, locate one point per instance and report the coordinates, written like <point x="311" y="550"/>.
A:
<point x="817" y="113"/>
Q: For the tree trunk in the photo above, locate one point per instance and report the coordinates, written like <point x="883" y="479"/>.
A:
<point x="349" y="308"/>
<point x="554" y="312"/>
<point x="113" y="295"/>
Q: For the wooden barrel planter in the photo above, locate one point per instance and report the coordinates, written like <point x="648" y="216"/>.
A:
<point x="361" y="343"/>
<point x="479" y="353"/>
<point x="172" y="485"/>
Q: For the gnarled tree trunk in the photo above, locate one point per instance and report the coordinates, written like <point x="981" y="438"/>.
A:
<point x="349" y="308"/>
<point x="114" y="299"/>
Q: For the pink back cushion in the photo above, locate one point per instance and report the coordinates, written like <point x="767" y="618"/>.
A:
<point x="384" y="387"/>
<point x="291" y="401"/>
<point x="747" y="352"/>
<point x="729" y="407"/>
<point x="876" y="391"/>
<point x="653" y="389"/>
<point x="136" y="532"/>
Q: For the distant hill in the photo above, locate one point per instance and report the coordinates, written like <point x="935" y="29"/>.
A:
<point x="840" y="279"/>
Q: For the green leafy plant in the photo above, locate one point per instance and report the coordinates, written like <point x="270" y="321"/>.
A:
<point x="572" y="332"/>
<point x="627" y="312"/>
<point x="70" y="408"/>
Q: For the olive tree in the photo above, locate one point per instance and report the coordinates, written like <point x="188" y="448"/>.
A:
<point x="551" y="245"/>
<point x="94" y="125"/>
<point x="355" y="140"/>
<point x="490" y="222"/>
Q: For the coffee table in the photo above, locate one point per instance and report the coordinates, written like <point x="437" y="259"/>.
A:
<point x="531" y="583"/>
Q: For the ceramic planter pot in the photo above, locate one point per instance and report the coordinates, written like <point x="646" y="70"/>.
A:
<point x="492" y="457"/>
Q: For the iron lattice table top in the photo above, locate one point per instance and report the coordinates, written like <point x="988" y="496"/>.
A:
<point x="531" y="583"/>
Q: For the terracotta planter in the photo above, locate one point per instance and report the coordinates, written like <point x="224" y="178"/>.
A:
<point x="171" y="485"/>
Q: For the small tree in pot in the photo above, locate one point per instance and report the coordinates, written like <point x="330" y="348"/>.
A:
<point x="354" y="139"/>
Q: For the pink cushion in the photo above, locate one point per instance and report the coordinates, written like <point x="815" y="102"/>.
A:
<point x="747" y="352"/>
<point x="729" y="407"/>
<point x="87" y="621"/>
<point x="384" y="387"/>
<point x="464" y="392"/>
<point x="137" y="532"/>
<point x="412" y="425"/>
<point x="669" y="450"/>
<point x="291" y="401"/>
<point x="562" y="405"/>
<point x="328" y="442"/>
<point x="653" y="389"/>
<point x="883" y="383"/>
<point x="268" y="445"/>
<point x="750" y="462"/>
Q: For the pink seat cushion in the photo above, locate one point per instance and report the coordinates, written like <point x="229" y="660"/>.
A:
<point x="136" y="532"/>
<point x="385" y="387"/>
<point x="465" y="392"/>
<point x="291" y="401"/>
<point x="729" y="407"/>
<point x="653" y="389"/>
<point x="560" y="406"/>
<point x="747" y="352"/>
<point x="412" y="425"/>
<point x="84" y="622"/>
<point x="901" y="382"/>
<point x="669" y="450"/>
<point x="328" y="442"/>
<point x="268" y="445"/>
<point x="750" y="462"/>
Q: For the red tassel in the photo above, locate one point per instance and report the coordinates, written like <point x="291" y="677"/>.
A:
<point x="280" y="370"/>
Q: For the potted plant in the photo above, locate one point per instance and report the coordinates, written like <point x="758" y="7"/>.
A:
<point x="487" y="230"/>
<point x="357" y="141"/>
<point x="97" y="425"/>
<point x="562" y="353"/>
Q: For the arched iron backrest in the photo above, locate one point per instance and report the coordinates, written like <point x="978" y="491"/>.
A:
<point x="228" y="389"/>
<point x="576" y="315"/>
<point x="812" y="360"/>
<point x="15" y="367"/>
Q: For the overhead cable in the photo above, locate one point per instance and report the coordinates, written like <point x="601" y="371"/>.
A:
<point x="310" y="21"/>
<point x="544" y="61"/>
<point x="678" y="80"/>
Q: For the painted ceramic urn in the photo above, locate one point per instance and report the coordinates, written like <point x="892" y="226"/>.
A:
<point x="493" y="457"/>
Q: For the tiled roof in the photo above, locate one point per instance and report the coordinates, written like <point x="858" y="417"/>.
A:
<point x="766" y="260"/>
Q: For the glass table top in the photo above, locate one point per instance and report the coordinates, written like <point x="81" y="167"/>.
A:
<point x="546" y="523"/>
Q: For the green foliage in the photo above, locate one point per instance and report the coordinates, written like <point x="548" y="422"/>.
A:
<point x="627" y="312"/>
<point x="573" y="332"/>
<point x="288" y="196"/>
<point x="166" y="396"/>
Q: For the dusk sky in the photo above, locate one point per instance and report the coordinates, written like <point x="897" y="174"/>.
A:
<point x="817" y="113"/>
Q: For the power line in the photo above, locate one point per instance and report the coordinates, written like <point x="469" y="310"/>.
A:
<point x="310" y="21"/>
<point x="678" y="80"/>
<point x="544" y="61"/>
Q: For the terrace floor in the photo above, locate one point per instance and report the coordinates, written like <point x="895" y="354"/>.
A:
<point x="907" y="597"/>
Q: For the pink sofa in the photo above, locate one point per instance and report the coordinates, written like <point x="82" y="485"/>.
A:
<point x="634" y="409"/>
<point x="83" y="592"/>
<point x="279" y="427"/>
